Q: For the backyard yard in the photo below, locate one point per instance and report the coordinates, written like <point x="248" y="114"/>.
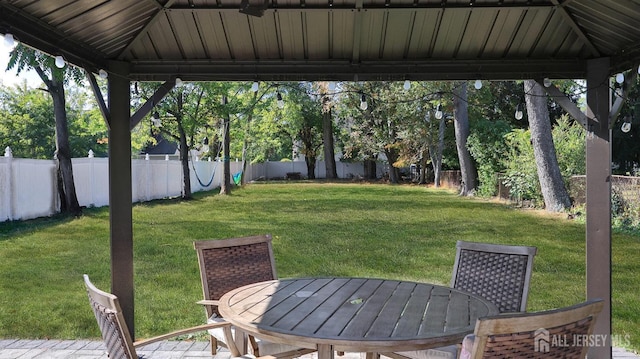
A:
<point x="319" y="229"/>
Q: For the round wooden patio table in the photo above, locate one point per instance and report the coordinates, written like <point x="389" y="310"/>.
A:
<point x="354" y="314"/>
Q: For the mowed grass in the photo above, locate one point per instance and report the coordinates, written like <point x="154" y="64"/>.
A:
<point x="319" y="229"/>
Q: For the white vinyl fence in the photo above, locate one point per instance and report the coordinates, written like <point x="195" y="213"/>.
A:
<point x="28" y="187"/>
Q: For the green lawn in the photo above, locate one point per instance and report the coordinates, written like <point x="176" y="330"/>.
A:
<point x="406" y="232"/>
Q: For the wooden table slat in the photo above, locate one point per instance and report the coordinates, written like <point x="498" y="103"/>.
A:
<point x="387" y="320"/>
<point x="409" y="325"/>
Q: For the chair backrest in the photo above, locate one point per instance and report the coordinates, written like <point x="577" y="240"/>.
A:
<point x="115" y="333"/>
<point x="499" y="273"/>
<point x="559" y="333"/>
<point x="227" y="264"/>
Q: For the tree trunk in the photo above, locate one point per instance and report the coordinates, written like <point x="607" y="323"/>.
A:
<point x="311" y="166"/>
<point x="225" y="187"/>
<point x="436" y="154"/>
<point x="554" y="192"/>
<point x="423" y="167"/>
<point x="184" y="161"/>
<point x="329" y="154"/>
<point x="63" y="150"/>
<point x="461" y="126"/>
<point x="245" y="142"/>
<point x="394" y="173"/>
<point x="370" y="171"/>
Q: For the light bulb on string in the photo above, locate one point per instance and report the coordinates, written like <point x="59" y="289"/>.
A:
<point x="103" y="74"/>
<point x="407" y="85"/>
<point x="155" y="119"/>
<point x="179" y="82"/>
<point x="626" y="125"/>
<point x="439" y="112"/>
<point x="478" y="84"/>
<point x="9" y="41"/>
<point x="620" y="78"/>
<point x="255" y="86"/>
<point x="546" y="82"/>
<point x="280" y="100"/>
<point x="518" y="115"/>
<point x="363" y="103"/>
<point x="60" y="61"/>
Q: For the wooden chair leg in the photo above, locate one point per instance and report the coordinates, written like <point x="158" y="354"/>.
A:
<point x="214" y="344"/>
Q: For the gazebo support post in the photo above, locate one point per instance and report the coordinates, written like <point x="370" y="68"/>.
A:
<point x="599" y="198"/>
<point x="120" y="191"/>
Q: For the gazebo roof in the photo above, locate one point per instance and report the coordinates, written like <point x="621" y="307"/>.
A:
<point x="332" y="39"/>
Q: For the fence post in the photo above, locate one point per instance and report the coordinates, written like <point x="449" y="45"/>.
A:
<point x="9" y="204"/>
<point x="166" y="177"/>
<point x="92" y="177"/>
<point x="148" y="179"/>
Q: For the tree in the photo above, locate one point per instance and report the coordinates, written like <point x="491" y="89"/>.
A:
<point x="461" y="125"/>
<point x="25" y="122"/>
<point x="303" y="116"/>
<point x="327" y="131"/>
<point x="55" y="78"/>
<point x="182" y="115"/>
<point x="554" y="192"/>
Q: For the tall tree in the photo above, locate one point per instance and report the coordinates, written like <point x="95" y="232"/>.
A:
<point x="327" y="131"/>
<point x="554" y="192"/>
<point x="55" y="74"/>
<point x="183" y="115"/>
<point x="461" y="125"/>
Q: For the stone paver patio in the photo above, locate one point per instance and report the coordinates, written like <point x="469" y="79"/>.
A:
<point x="89" y="349"/>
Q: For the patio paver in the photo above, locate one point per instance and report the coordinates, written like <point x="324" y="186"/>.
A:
<point x="89" y="349"/>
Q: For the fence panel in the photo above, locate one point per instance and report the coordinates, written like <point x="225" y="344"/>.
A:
<point x="28" y="187"/>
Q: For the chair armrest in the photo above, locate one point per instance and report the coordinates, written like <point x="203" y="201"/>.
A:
<point x="200" y="328"/>
<point x="208" y="302"/>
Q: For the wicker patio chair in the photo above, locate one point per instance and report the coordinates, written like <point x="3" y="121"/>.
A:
<point x="499" y="273"/>
<point x="226" y="264"/>
<point x="559" y="333"/>
<point x="115" y="332"/>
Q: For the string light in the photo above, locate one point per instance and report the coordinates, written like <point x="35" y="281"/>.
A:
<point x="478" y="84"/>
<point x="439" y="112"/>
<point x="546" y="82"/>
<point x="620" y="78"/>
<point x="280" y="100"/>
<point x="626" y="125"/>
<point x="518" y="115"/>
<point x="407" y="85"/>
<point x="60" y="61"/>
<point x="155" y="119"/>
<point x="363" y="103"/>
<point x="103" y="74"/>
<point x="179" y="82"/>
<point x="9" y="40"/>
<point x="255" y="86"/>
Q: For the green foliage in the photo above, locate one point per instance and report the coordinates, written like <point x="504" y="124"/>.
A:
<point x="27" y="123"/>
<point x="318" y="229"/>
<point x="23" y="58"/>
<point x="488" y="148"/>
<point x="569" y="140"/>
<point x="521" y="174"/>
